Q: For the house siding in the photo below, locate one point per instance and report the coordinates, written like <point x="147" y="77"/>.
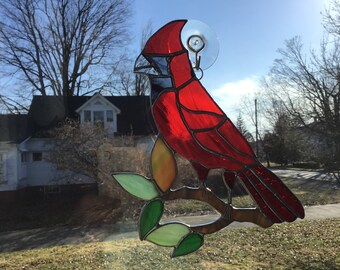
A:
<point x="10" y="164"/>
<point x="43" y="172"/>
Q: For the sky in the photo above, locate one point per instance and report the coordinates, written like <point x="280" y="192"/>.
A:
<point x="249" y="32"/>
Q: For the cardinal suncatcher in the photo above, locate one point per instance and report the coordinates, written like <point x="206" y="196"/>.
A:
<point x="192" y="125"/>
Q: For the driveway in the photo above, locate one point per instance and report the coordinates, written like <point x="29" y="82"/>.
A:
<point x="303" y="174"/>
<point x="48" y="237"/>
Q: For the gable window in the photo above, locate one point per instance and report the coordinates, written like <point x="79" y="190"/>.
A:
<point x="87" y="116"/>
<point x="2" y="168"/>
<point x="99" y="111"/>
<point x="109" y="116"/>
<point x="37" y="156"/>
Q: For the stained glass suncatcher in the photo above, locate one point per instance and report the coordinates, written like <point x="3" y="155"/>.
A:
<point x="192" y="125"/>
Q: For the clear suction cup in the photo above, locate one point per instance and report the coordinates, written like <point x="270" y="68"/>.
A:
<point x="201" y="42"/>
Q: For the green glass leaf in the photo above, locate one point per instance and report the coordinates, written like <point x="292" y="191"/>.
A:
<point x="168" y="235"/>
<point x="137" y="185"/>
<point x="190" y="243"/>
<point x="151" y="214"/>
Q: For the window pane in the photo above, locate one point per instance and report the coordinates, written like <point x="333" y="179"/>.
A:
<point x="87" y="116"/>
<point x="37" y="156"/>
<point x="98" y="117"/>
<point x="109" y="116"/>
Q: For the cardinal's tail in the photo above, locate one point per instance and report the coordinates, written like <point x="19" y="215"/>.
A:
<point x="273" y="198"/>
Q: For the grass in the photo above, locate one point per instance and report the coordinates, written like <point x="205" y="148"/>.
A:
<point x="314" y="192"/>
<point x="59" y="211"/>
<point x="300" y="245"/>
<point x="310" y="192"/>
<point x="96" y="210"/>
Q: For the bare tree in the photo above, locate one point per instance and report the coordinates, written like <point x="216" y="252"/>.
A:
<point x="125" y="82"/>
<point x="76" y="145"/>
<point x="307" y="84"/>
<point x="331" y="20"/>
<point x="309" y="89"/>
<point x="65" y="47"/>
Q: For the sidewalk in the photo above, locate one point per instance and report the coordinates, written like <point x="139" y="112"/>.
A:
<point x="47" y="237"/>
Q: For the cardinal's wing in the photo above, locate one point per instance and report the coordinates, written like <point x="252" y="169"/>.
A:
<point x="212" y="129"/>
<point x="214" y="132"/>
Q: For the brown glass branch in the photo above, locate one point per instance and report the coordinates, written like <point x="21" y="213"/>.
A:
<point x="228" y="212"/>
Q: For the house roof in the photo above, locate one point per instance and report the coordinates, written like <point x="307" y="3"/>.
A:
<point x="14" y="127"/>
<point x="135" y="113"/>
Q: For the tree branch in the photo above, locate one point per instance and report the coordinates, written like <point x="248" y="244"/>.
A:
<point x="228" y="212"/>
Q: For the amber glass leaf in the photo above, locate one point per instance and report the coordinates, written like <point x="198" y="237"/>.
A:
<point x="151" y="214"/>
<point x="190" y="243"/>
<point x="163" y="165"/>
<point x="137" y="185"/>
<point x="168" y="235"/>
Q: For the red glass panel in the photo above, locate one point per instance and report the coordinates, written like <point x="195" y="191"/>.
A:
<point x="194" y="97"/>
<point x="201" y="120"/>
<point x="259" y="200"/>
<point x="213" y="141"/>
<point x="168" y="119"/>
<point x="275" y="204"/>
<point x="235" y="138"/>
<point x="273" y="197"/>
<point x="280" y="189"/>
<point x="166" y="40"/>
<point x="177" y="136"/>
<point x="180" y="67"/>
<point x="201" y="171"/>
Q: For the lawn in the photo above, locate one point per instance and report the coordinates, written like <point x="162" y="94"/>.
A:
<point x="300" y="245"/>
<point x="96" y="210"/>
<point x="310" y="192"/>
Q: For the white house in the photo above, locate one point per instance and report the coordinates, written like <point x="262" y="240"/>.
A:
<point x="24" y="150"/>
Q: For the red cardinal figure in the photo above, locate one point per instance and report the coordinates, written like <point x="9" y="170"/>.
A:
<point x="194" y="126"/>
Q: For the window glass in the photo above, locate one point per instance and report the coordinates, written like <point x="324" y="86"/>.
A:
<point x="37" y="156"/>
<point x="98" y="117"/>
<point x="87" y="116"/>
<point x="109" y="116"/>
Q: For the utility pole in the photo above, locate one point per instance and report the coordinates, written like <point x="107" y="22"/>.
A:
<point x="256" y="131"/>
